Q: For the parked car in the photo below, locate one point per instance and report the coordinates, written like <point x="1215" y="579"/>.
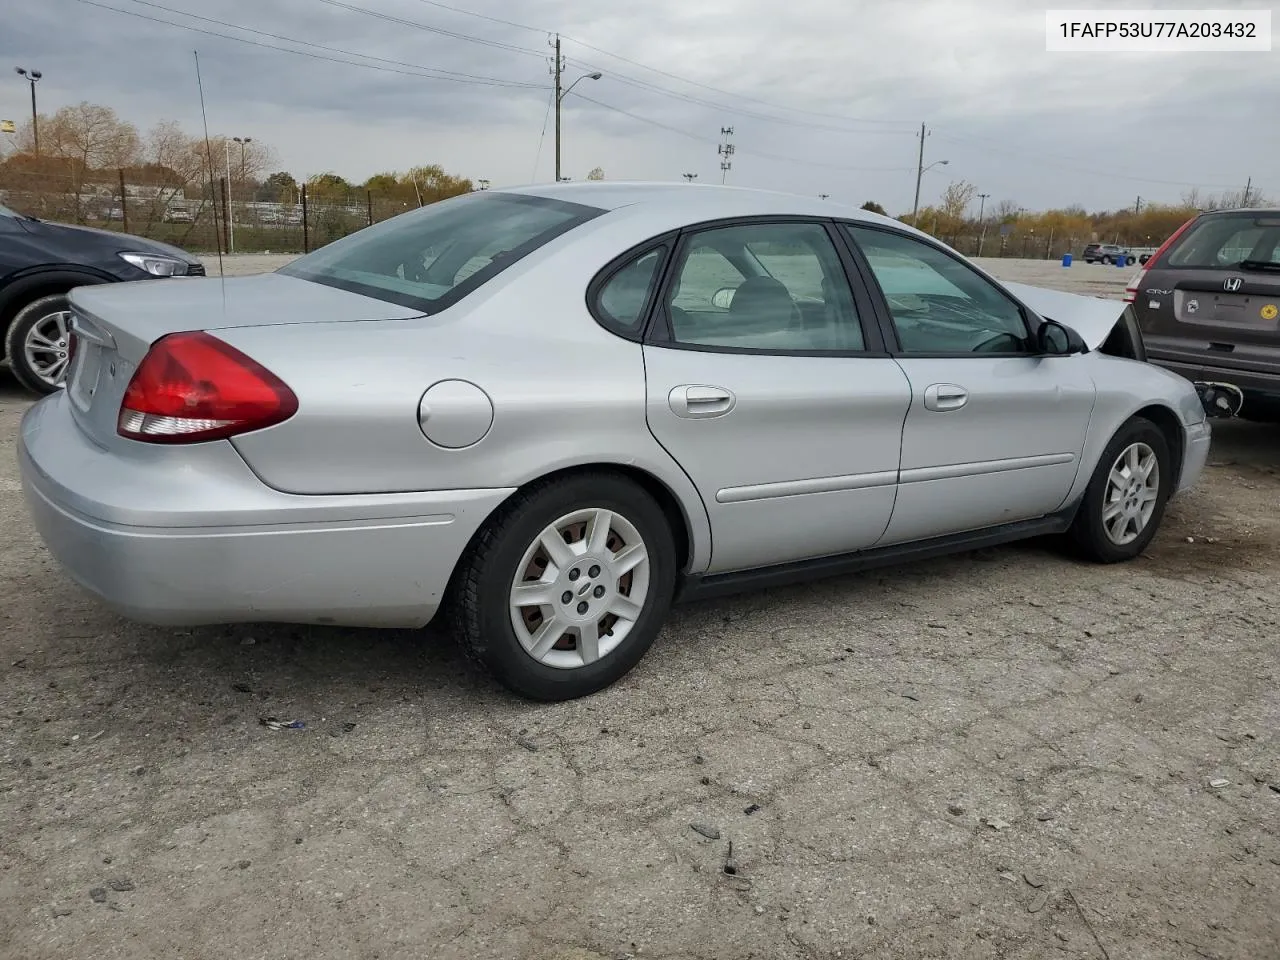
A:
<point x="586" y="427"/>
<point x="178" y="215"/>
<point x="40" y="262"/>
<point x="1107" y="253"/>
<point x="1208" y="303"/>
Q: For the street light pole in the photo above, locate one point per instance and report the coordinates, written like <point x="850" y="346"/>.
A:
<point x="243" y="141"/>
<point x="32" y="76"/>
<point x="561" y="94"/>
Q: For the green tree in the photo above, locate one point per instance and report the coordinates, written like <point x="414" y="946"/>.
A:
<point x="279" y="187"/>
<point x="328" y="187"/>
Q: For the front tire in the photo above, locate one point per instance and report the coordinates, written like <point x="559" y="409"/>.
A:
<point x="36" y="343"/>
<point x="1126" y="497"/>
<point x="566" y="587"/>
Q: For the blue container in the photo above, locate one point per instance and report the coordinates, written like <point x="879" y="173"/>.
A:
<point x="1122" y="262"/>
<point x="1066" y="259"/>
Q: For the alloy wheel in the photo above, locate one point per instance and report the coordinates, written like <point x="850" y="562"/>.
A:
<point x="45" y="347"/>
<point x="1133" y="488"/>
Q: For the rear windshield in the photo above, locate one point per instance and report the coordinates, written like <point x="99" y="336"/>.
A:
<point x="432" y="257"/>
<point x="1219" y="243"/>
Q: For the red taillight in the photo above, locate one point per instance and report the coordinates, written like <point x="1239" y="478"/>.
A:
<point x="1131" y="291"/>
<point x="191" y="387"/>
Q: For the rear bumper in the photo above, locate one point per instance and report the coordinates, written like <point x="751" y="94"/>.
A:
<point x="1253" y="382"/>
<point x="205" y="541"/>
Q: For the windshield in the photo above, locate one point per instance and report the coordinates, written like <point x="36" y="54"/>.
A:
<point x="1218" y="243"/>
<point x="434" y="256"/>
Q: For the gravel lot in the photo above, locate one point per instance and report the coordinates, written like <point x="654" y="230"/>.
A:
<point x="1001" y="755"/>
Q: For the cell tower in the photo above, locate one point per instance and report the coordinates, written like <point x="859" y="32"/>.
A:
<point x="726" y="152"/>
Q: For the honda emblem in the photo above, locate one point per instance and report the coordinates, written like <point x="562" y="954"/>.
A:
<point x="1232" y="284"/>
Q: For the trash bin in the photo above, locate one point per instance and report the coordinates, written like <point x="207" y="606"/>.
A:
<point x="1122" y="261"/>
<point x="1066" y="259"/>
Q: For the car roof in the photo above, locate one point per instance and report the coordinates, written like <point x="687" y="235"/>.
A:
<point x="698" y="200"/>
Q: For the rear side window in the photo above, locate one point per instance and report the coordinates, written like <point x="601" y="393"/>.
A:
<point x="623" y="297"/>
<point x="1219" y="243"/>
<point x="434" y="256"/>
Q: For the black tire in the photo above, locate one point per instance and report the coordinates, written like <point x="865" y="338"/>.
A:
<point x="1129" y="261"/>
<point x="1106" y="260"/>
<point x="479" y="593"/>
<point x="16" y="337"/>
<point x="1087" y="531"/>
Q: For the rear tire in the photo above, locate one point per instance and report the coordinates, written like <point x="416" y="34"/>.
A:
<point x="39" y="319"/>
<point x="563" y="644"/>
<point x="1122" y="508"/>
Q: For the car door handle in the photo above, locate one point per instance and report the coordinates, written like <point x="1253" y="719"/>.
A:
<point x="694" y="401"/>
<point x="941" y="397"/>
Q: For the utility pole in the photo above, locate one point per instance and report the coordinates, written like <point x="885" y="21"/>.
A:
<point x="725" y="151"/>
<point x="982" y="223"/>
<point x="915" y="207"/>
<point x="226" y="200"/>
<point x="1247" y="188"/>
<point x="558" y="68"/>
<point x="1137" y="205"/>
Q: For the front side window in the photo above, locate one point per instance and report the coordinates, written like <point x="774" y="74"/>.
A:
<point x="938" y="303"/>
<point x="431" y="257"/>
<point x="771" y="287"/>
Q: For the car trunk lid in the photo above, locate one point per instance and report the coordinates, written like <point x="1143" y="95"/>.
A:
<point x="116" y="324"/>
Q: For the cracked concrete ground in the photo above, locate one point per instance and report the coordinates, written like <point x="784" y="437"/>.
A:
<point x="1005" y="754"/>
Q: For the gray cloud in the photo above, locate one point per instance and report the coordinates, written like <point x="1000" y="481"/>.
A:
<point x="1040" y="128"/>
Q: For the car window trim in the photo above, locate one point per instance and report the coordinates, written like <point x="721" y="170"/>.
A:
<point x="658" y="329"/>
<point x="1031" y="321"/>
<point x="665" y="241"/>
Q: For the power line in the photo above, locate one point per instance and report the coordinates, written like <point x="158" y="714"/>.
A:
<point x="754" y="153"/>
<point x="314" y="56"/>
<point x="497" y="44"/>
<point x="665" y="73"/>
<point x="321" y="46"/>
<point x="727" y="108"/>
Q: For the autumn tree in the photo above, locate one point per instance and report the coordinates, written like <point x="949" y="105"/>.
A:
<point x="874" y="207"/>
<point x="597" y="173"/>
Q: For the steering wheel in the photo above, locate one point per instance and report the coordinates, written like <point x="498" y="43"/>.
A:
<point x="1000" y="343"/>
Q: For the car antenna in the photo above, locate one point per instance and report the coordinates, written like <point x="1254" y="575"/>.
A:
<point x="208" y="152"/>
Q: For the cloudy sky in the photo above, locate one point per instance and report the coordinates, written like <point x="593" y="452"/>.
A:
<point x="824" y="96"/>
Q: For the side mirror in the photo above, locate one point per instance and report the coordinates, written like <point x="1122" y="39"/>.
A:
<point x="1056" y="339"/>
<point x="722" y="298"/>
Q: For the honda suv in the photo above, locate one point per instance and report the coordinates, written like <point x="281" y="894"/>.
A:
<point x="1106" y="253"/>
<point x="41" y="262"/>
<point x="1208" y="304"/>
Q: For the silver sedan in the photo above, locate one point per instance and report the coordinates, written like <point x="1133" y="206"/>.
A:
<point x="547" y="413"/>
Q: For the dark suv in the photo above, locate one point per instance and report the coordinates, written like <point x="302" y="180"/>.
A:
<point x="40" y="262"/>
<point x="1208" y="303"/>
<point x="1106" y="253"/>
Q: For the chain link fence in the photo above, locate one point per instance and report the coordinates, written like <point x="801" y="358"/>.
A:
<point x="225" y="217"/>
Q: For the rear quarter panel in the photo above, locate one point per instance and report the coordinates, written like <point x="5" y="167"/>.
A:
<point x="565" y="392"/>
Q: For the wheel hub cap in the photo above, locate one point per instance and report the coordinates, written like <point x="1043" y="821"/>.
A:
<point x="579" y="588"/>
